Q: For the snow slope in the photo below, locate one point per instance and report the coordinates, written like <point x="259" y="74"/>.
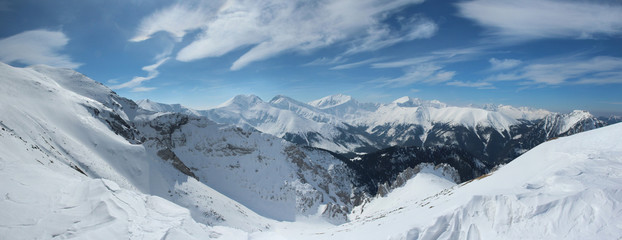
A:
<point x="568" y="188"/>
<point x="341" y="124"/>
<point x="58" y="128"/>
<point x="269" y="175"/>
<point x="43" y="202"/>
<point x="76" y="160"/>
<point x="70" y="121"/>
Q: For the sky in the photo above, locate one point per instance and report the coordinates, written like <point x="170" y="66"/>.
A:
<point x="559" y="55"/>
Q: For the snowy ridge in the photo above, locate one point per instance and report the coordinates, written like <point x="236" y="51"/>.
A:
<point x="164" y="108"/>
<point x="518" y="112"/>
<point x="236" y="162"/>
<point x="341" y="124"/>
<point x="425" y="181"/>
<point x="568" y="188"/>
<point x="46" y="124"/>
<point x="559" y="124"/>
<point x="251" y="111"/>
<point x="207" y="168"/>
<point x="79" y="161"/>
<point x="331" y="101"/>
<point x="407" y="101"/>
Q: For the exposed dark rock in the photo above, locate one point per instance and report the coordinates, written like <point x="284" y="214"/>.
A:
<point x="168" y="155"/>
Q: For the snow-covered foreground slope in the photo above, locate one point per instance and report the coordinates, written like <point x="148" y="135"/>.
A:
<point x="43" y="202"/>
<point x="568" y="188"/>
<point x="77" y="160"/>
<point x="222" y="174"/>
<point x="60" y="120"/>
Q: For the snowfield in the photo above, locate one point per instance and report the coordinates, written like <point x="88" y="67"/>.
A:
<point x="568" y="188"/>
<point x="78" y="161"/>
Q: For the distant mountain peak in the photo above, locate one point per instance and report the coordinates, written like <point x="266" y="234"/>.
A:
<point x="331" y="101"/>
<point x="243" y="100"/>
<point x="282" y="98"/>
<point x="407" y="101"/>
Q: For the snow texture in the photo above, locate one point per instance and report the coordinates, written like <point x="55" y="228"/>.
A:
<point x="78" y="161"/>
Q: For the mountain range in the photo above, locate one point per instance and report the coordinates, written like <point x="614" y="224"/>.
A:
<point x="78" y="160"/>
<point x="495" y="134"/>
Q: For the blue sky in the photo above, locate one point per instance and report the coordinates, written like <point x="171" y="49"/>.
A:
<point x="552" y="54"/>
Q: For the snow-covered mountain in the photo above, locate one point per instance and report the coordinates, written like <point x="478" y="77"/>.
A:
<point x="568" y="188"/>
<point x="77" y="160"/>
<point x="222" y="174"/>
<point x="493" y="133"/>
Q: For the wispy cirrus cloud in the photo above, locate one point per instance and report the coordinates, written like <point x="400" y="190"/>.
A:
<point x="356" y="64"/>
<point x="536" y="19"/>
<point x="440" y="57"/>
<point x="36" y="47"/>
<point x="134" y="84"/>
<point x="503" y="64"/>
<point x="143" y="89"/>
<point x="476" y="84"/>
<point x="596" y="71"/>
<point x="272" y="27"/>
<point x="428" y="73"/>
<point x="177" y="20"/>
<point x="404" y="62"/>
<point x="383" y="35"/>
<point x="326" y="61"/>
<point x="430" y="68"/>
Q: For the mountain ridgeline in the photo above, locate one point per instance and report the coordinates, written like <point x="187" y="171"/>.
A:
<point x="248" y="160"/>
<point x="482" y="136"/>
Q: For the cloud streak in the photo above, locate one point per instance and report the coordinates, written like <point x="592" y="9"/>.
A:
<point x="36" y="47"/>
<point x="152" y="72"/>
<point x="536" y="19"/>
<point x="355" y="64"/>
<point x="598" y="70"/>
<point x="503" y="64"/>
<point x="273" y="27"/>
<point x="427" y="73"/>
<point x="480" y="85"/>
<point x="177" y="20"/>
<point x="383" y="35"/>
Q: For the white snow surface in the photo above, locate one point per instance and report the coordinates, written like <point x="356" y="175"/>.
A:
<point x="322" y="121"/>
<point x="47" y="124"/>
<point x="568" y="188"/>
<point x="47" y="129"/>
<point x="166" y="108"/>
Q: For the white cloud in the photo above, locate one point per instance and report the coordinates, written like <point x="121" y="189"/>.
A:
<point x="272" y="27"/>
<point x="424" y="73"/>
<point x="404" y="62"/>
<point x="355" y="64"/>
<point x="325" y="61"/>
<point x="534" y="19"/>
<point x="480" y="85"/>
<point x="503" y="64"/>
<point x="436" y="57"/>
<point x="177" y="20"/>
<point x="596" y="70"/>
<point x="36" y="47"/>
<point x="381" y="36"/>
<point x="142" y="89"/>
<point x="152" y="72"/>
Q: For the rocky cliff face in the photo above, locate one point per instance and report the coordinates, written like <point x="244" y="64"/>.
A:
<point x="269" y="175"/>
